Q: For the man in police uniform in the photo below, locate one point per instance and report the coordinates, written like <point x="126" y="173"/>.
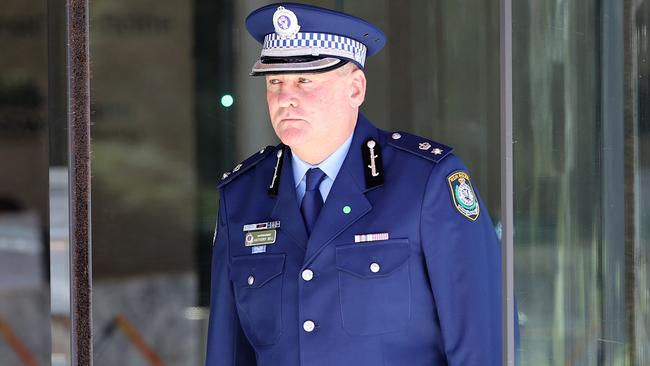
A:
<point x="346" y="244"/>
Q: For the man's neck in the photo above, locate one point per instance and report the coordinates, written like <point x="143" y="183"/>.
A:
<point x="316" y="156"/>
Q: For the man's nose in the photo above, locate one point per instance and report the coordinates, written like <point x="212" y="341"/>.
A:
<point x="287" y="97"/>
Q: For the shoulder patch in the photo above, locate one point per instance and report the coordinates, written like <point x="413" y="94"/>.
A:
<point x="463" y="195"/>
<point x="232" y="174"/>
<point x="420" y="146"/>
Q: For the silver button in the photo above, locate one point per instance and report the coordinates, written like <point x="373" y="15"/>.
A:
<point x="396" y="136"/>
<point x="308" y="326"/>
<point x="307" y="275"/>
<point x="374" y="267"/>
<point x="251" y="280"/>
<point x="262" y="151"/>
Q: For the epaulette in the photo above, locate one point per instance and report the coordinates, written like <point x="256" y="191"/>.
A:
<point x="231" y="175"/>
<point x="419" y="146"/>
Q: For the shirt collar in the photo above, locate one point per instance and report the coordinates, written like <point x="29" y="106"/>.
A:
<point x="329" y="166"/>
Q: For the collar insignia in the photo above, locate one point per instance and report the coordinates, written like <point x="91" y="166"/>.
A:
<point x="374" y="168"/>
<point x="277" y="171"/>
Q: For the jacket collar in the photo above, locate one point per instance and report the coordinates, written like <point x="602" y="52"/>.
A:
<point x="345" y="205"/>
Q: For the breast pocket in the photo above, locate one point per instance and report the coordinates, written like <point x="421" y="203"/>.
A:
<point x="257" y="281"/>
<point x="374" y="286"/>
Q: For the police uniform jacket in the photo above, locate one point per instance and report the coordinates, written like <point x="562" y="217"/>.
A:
<point x="424" y="291"/>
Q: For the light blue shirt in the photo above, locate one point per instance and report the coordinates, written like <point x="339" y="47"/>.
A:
<point x="329" y="166"/>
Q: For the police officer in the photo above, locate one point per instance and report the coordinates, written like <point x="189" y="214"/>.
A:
<point x="346" y="244"/>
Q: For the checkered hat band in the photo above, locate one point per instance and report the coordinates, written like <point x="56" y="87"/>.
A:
<point x="314" y="44"/>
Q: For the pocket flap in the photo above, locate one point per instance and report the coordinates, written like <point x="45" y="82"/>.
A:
<point x="261" y="268"/>
<point x="373" y="260"/>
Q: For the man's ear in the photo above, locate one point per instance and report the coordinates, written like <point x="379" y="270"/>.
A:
<point x="357" y="88"/>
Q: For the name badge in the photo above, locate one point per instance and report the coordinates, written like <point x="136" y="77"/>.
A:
<point x="263" y="237"/>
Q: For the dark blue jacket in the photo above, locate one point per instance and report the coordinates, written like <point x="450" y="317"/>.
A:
<point x="433" y="297"/>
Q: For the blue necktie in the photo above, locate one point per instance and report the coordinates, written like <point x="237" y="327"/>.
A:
<point x="312" y="202"/>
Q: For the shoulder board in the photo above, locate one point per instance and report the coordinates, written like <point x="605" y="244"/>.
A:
<point x="419" y="146"/>
<point x="232" y="174"/>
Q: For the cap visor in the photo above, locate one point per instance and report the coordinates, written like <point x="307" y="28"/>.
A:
<point x="315" y="66"/>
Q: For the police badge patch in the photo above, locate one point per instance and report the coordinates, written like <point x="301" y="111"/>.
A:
<point x="463" y="195"/>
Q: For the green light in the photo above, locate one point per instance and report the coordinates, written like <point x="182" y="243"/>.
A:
<point x="227" y="100"/>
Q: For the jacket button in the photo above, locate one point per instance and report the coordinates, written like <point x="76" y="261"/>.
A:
<point x="308" y="326"/>
<point x="251" y="280"/>
<point x="374" y="267"/>
<point x="307" y="275"/>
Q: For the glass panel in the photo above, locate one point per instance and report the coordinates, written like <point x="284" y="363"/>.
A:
<point x="145" y="214"/>
<point x="24" y="260"/>
<point x="639" y="118"/>
<point x="557" y="180"/>
<point x="59" y="186"/>
<point x="580" y="212"/>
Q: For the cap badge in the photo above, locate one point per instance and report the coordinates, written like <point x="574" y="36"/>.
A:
<point x="285" y="22"/>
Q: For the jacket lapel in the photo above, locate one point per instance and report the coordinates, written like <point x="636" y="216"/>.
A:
<point x="347" y="202"/>
<point x="286" y="207"/>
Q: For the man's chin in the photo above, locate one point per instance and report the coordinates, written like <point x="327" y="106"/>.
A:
<point x="293" y="137"/>
<point x="293" y="142"/>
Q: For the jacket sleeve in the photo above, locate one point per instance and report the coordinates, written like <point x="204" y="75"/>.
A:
<point x="464" y="266"/>
<point x="227" y="345"/>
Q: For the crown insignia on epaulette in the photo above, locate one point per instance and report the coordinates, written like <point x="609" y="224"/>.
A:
<point x="420" y="146"/>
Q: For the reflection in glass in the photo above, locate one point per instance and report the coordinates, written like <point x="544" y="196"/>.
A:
<point x="145" y="281"/>
<point x="639" y="22"/>
<point x="581" y="259"/>
<point x="24" y="270"/>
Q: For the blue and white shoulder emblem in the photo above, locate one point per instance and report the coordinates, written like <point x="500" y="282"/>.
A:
<point x="463" y="196"/>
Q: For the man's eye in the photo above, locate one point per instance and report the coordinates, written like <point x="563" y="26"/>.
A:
<point x="304" y="81"/>
<point x="274" y="81"/>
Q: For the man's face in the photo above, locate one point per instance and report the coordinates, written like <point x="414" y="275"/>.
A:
<point x="313" y="111"/>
